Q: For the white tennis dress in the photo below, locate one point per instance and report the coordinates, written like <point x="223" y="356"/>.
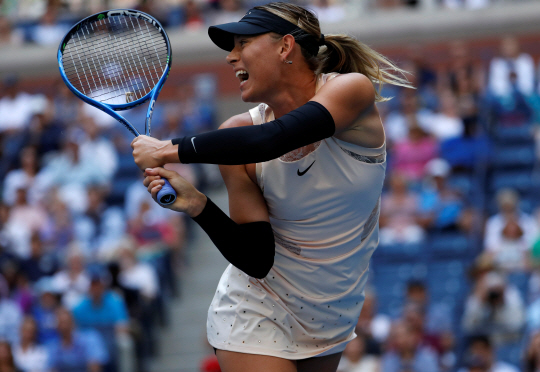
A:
<point x="324" y="210"/>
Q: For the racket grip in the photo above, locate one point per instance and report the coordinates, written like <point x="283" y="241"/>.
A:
<point x="167" y="195"/>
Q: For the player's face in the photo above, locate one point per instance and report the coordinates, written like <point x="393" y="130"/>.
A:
<point x="255" y="65"/>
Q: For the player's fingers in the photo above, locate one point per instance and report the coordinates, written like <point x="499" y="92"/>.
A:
<point x="133" y="142"/>
<point x="149" y="179"/>
<point x="155" y="183"/>
<point x="154" y="191"/>
<point x="160" y="172"/>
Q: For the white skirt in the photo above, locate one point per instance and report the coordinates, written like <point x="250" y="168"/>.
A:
<point x="271" y="317"/>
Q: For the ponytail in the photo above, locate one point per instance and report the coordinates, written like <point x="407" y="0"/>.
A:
<point x="344" y="54"/>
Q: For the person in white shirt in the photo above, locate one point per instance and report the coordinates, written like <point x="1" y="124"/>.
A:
<point x="28" y="355"/>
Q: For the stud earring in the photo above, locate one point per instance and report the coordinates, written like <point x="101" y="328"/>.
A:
<point x="289" y="62"/>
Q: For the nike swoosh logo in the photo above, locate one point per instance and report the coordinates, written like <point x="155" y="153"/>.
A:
<point x="304" y="172"/>
<point x="193" y="143"/>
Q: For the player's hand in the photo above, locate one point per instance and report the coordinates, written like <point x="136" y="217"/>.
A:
<point x="148" y="152"/>
<point x="188" y="199"/>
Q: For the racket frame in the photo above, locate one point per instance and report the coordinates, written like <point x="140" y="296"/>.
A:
<point x="111" y="108"/>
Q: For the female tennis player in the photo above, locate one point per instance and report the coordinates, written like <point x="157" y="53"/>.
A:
<point x="304" y="172"/>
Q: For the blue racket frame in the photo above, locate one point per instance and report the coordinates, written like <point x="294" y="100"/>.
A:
<point x="111" y="109"/>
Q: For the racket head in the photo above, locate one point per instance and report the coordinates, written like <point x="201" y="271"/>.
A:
<point x="116" y="59"/>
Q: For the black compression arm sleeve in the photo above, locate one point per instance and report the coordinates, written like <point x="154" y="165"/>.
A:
<point x="257" y="143"/>
<point x="250" y="246"/>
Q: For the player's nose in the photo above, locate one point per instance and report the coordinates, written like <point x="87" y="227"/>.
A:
<point x="233" y="57"/>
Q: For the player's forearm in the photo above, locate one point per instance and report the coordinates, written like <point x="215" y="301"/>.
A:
<point x="249" y="246"/>
<point x="257" y="143"/>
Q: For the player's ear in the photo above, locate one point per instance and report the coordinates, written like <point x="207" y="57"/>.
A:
<point x="287" y="45"/>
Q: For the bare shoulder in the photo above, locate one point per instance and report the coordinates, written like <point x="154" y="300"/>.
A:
<point x="240" y="120"/>
<point x="354" y="85"/>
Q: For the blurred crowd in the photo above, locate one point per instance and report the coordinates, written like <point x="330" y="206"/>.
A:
<point x="88" y="261"/>
<point x="44" y="22"/>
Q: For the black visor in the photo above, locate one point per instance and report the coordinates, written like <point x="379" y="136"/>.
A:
<point x="256" y="22"/>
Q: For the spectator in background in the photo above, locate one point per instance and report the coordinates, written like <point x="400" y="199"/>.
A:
<point x="98" y="147"/>
<point x="447" y="355"/>
<point x="60" y="230"/>
<point x="355" y="358"/>
<point x="532" y="354"/>
<point x="511" y="62"/>
<point x="481" y="357"/>
<point x="40" y="263"/>
<point x="72" y="173"/>
<point x="440" y="206"/>
<point x="446" y="123"/>
<point x="16" y="110"/>
<point x="438" y="316"/>
<point x="328" y="11"/>
<point x="373" y="326"/>
<point x="494" y="308"/>
<point x="409" y="114"/>
<point x="410" y="155"/>
<point x="72" y="281"/>
<point x="193" y="19"/>
<point x="23" y="177"/>
<point x="101" y="227"/>
<point x="399" y="213"/>
<point x="7" y="363"/>
<point x="142" y="278"/>
<point x="230" y="11"/>
<point x="65" y="104"/>
<point x="10" y="315"/>
<point x="406" y="352"/>
<point x="45" y="132"/>
<point x="8" y="34"/>
<point x="22" y="291"/>
<point x="511" y="251"/>
<point x="28" y="354"/>
<point x="104" y="311"/>
<point x="509" y="215"/>
<point x="75" y="350"/>
<point x="44" y="309"/>
<point x="49" y="31"/>
<point x="24" y="220"/>
<point x="414" y="316"/>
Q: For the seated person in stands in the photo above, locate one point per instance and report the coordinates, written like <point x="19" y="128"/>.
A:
<point x="437" y="316"/>
<point x="521" y="230"/>
<point x="105" y="312"/>
<point x="399" y="213"/>
<point x="441" y="207"/>
<point x="409" y="155"/>
<point x="481" y="357"/>
<point x="29" y="355"/>
<point x="356" y="359"/>
<point x="406" y="353"/>
<point x="511" y="251"/>
<point x="76" y="350"/>
<point x="494" y="308"/>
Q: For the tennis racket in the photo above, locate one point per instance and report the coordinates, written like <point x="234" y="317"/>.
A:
<point x="116" y="60"/>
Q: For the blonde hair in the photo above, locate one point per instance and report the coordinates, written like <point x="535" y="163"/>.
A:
<point x="340" y="53"/>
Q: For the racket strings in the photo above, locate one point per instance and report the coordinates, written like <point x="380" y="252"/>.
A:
<point x="116" y="60"/>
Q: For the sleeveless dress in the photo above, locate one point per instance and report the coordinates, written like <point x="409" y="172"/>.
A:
<point x="324" y="210"/>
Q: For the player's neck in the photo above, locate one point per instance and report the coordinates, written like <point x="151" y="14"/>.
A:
<point x="293" y="94"/>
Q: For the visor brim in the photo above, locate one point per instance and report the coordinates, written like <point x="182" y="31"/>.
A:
<point x="223" y="35"/>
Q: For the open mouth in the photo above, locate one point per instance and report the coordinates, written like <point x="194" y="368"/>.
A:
<point x="242" y="75"/>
